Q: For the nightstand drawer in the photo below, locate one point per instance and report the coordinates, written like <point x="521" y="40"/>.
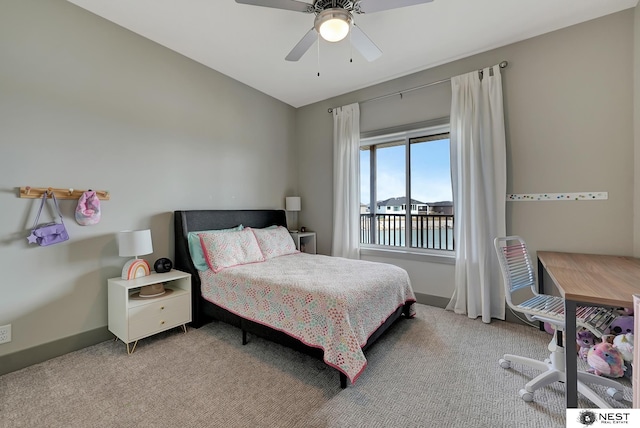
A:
<point x="157" y="316"/>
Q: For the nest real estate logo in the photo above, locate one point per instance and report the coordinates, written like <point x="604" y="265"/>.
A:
<point x="580" y="418"/>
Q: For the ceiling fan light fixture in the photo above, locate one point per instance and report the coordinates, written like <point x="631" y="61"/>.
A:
<point x="333" y="24"/>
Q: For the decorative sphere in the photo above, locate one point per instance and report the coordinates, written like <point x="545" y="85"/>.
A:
<point x="163" y="265"/>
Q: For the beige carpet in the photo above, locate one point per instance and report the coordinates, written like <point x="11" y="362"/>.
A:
<point x="437" y="370"/>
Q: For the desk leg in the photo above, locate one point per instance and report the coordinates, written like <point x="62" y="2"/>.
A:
<point x="541" y="287"/>
<point x="571" y="363"/>
<point x="540" y="277"/>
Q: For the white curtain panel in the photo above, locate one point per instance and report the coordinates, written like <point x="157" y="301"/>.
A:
<point x="478" y="173"/>
<point x="346" y="179"/>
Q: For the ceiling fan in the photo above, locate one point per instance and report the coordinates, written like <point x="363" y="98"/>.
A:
<point x="334" y="21"/>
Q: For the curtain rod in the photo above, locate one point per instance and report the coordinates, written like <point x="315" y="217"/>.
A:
<point x="503" y="64"/>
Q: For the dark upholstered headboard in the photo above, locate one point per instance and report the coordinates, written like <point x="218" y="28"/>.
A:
<point x="197" y="220"/>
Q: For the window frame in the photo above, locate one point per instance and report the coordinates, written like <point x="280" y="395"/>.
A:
<point x="405" y="132"/>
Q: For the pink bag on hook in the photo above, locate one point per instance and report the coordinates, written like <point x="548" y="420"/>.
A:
<point x="88" y="209"/>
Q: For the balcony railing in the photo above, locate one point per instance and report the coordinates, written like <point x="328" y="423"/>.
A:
<point x="431" y="231"/>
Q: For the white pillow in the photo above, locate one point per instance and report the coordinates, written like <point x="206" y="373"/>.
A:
<point x="223" y="250"/>
<point x="195" y="246"/>
<point x="275" y="242"/>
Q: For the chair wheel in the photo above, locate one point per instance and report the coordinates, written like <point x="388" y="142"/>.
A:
<point x="526" y="395"/>
<point x="615" y="394"/>
<point x="504" y="363"/>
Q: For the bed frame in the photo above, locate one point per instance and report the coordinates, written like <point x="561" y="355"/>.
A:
<point x="204" y="311"/>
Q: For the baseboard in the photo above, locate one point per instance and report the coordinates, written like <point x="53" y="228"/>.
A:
<point x="427" y="299"/>
<point x="28" y="357"/>
<point x="442" y="302"/>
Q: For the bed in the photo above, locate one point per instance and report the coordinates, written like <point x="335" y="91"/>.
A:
<point x="266" y="297"/>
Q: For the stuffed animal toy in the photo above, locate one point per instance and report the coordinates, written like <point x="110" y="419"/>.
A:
<point x="585" y="340"/>
<point x="549" y="328"/>
<point x="605" y="360"/>
<point x="624" y="344"/>
<point x="621" y="325"/>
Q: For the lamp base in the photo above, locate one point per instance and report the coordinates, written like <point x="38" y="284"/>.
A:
<point x="135" y="268"/>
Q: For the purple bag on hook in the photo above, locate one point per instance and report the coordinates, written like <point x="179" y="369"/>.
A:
<point x="51" y="233"/>
<point x="88" y="209"/>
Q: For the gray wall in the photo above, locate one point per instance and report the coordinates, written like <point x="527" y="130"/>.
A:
<point x="570" y="128"/>
<point x="87" y="104"/>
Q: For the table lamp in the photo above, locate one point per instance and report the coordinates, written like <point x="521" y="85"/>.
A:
<point x="134" y="243"/>
<point x="292" y="203"/>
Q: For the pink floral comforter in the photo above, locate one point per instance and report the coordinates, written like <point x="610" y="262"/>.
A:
<point x="326" y="302"/>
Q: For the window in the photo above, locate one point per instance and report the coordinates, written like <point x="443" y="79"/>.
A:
<point x="407" y="169"/>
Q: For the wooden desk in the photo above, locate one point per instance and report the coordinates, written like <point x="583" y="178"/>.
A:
<point x="590" y="279"/>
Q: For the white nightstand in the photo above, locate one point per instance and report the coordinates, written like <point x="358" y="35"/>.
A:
<point x="305" y="241"/>
<point x="134" y="319"/>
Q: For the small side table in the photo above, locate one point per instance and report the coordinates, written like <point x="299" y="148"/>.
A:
<point x="305" y="241"/>
<point x="133" y="319"/>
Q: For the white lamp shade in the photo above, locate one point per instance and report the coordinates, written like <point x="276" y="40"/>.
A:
<point x="292" y="203"/>
<point x="133" y="243"/>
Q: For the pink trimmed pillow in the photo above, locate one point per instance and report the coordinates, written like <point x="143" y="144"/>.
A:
<point x="275" y="242"/>
<point x="223" y="250"/>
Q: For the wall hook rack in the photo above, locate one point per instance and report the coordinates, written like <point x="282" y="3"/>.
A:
<point x="69" y="193"/>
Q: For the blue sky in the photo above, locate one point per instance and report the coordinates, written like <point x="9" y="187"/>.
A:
<point x="430" y="178"/>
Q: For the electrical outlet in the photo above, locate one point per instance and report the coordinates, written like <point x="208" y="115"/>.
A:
<point x="5" y="333"/>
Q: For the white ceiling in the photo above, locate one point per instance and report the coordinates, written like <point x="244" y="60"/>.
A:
<point x="249" y="43"/>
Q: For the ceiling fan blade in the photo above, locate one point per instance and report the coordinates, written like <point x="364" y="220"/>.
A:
<point x="303" y="45"/>
<point x="364" y="45"/>
<point x="294" y="5"/>
<point x="370" y="6"/>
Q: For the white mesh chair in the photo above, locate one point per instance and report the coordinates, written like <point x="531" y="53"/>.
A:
<point x="519" y="276"/>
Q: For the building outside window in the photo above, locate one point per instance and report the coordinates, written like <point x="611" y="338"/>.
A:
<point x="407" y="169"/>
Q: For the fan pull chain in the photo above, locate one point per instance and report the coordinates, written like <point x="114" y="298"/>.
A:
<point x="318" y="43"/>
<point x="350" y="42"/>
